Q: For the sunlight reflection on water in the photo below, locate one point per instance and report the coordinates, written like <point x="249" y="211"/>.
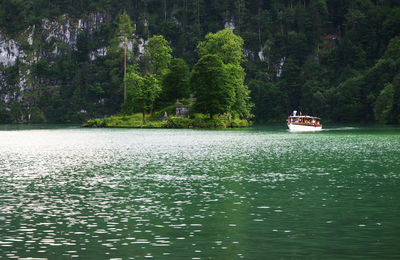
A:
<point x="187" y="194"/>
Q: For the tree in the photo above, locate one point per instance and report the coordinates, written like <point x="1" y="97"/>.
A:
<point x="271" y="101"/>
<point x="213" y="92"/>
<point x="175" y="81"/>
<point x="384" y="104"/>
<point x="242" y="105"/>
<point x="158" y="55"/>
<point x="393" y="49"/>
<point x="124" y="34"/>
<point x="144" y="89"/>
<point x="308" y="90"/>
<point x="349" y="107"/>
<point x="5" y="116"/>
<point x="225" y="44"/>
<point x="142" y="92"/>
<point x="297" y="48"/>
<point x="228" y="47"/>
<point x="387" y="105"/>
<point x="290" y="81"/>
<point x="317" y="15"/>
<point x="391" y="25"/>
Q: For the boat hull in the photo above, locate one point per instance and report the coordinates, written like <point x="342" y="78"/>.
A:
<point x="304" y="128"/>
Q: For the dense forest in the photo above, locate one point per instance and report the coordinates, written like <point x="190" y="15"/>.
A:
<point x="337" y="59"/>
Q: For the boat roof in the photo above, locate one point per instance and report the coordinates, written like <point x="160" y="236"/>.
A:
<point x="305" y="116"/>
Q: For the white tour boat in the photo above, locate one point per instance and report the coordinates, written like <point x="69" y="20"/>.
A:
<point x="303" y="123"/>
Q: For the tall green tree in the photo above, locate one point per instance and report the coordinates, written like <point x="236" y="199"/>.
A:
<point x="317" y="17"/>
<point x="290" y="81"/>
<point x="384" y="105"/>
<point x="225" y="44"/>
<point x="393" y="49"/>
<point x="145" y="87"/>
<point x="387" y="105"/>
<point x="270" y="100"/>
<point x="175" y="81"/>
<point x="158" y="55"/>
<point x="349" y="106"/>
<point x="242" y="105"/>
<point x="213" y="92"/>
<point x="229" y="49"/>
<point x="142" y="92"/>
<point x="124" y="35"/>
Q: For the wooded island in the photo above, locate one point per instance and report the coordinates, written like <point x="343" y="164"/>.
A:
<point x="156" y="81"/>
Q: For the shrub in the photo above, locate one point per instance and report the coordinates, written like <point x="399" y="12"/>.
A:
<point x="95" y="123"/>
<point x="239" y="123"/>
<point x="178" y="122"/>
<point x="37" y="117"/>
<point x="209" y="123"/>
<point x="219" y="123"/>
<point x="199" y="121"/>
<point x="156" y="124"/>
<point x="199" y="116"/>
<point x="202" y="123"/>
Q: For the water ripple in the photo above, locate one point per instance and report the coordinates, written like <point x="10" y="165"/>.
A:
<point x="179" y="194"/>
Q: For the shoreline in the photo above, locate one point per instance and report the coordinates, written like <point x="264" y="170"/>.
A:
<point x="135" y="121"/>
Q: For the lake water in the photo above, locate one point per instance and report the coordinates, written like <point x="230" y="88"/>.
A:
<point x="258" y="193"/>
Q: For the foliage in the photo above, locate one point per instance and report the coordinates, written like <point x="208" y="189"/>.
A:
<point x="135" y="121"/>
<point x="158" y="55"/>
<point x="335" y="59"/>
<point x="384" y="104"/>
<point x="131" y="121"/>
<point x="209" y="123"/>
<point x="225" y="44"/>
<point x="228" y="48"/>
<point x="387" y="105"/>
<point x="271" y="99"/>
<point x="202" y="122"/>
<point x="393" y="49"/>
<point x="235" y="77"/>
<point x="37" y="116"/>
<point x="125" y="28"/>
<point x="239" y="123"/>
<point x="213" y="93"/>
<point x="175" y="82"/>
<point x="142" y="92"/>
<point x="124" y="34"/>
<point x="179" y="122"/>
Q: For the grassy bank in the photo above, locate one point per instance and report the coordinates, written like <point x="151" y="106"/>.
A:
<point x="135" y="121"/>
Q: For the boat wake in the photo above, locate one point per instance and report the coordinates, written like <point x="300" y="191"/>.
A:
<point x="340" y="128"/>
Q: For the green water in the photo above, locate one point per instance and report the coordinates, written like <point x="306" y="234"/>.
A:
<point x="259" y="193"/>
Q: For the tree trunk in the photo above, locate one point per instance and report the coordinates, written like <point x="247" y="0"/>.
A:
<point x="165" y="10"/>
<point x="125" y="70"/>
<point x="152" y="110"/>
<point x="198" y="15"/>
<point x="240" y="13"/>
<point x="259" y="27"/>
<point x="144" y="116"/>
